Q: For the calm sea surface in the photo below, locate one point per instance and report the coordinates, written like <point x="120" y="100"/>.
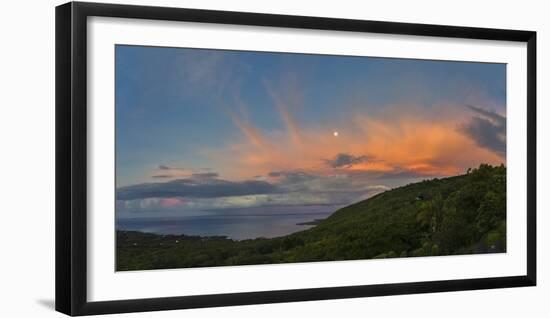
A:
<point x="238" y="227"/>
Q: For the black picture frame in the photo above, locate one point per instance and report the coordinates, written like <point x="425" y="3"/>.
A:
<point x="71" y="157"/>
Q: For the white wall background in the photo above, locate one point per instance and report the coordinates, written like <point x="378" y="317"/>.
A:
<point x="27" y="158"/>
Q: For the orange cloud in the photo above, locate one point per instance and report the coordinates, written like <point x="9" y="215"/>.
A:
<point x="422" y="145"/>
<point x="402" y="142"/>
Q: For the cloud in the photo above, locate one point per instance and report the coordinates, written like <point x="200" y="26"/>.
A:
<point x="195" y="188"/>
<point x="497" y="119"/>
<point x="173" y="169"/>
<point x="266" y="203"/>
<point x="291" y="176"/>
<point x="279" y="188"/>
<point x="300" y="165"/>
<point x="402" y="140"/>
<point x="284" y="102"/>
<point x="169" y="172"/>
<point x="207" y="73"/>
<point x="487" y="129"/>
<point x="162" y="176"/>
<point x="252" y="134"/>
<point x="346" y="160"/>
<point x="171" y="202"/>
<point x="335" y="188"/>
<point x="205" y="175"/>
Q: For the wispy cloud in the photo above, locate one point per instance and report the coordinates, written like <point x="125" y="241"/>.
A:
<point x="252" y="134"/>
<point x="487" y="129"/>
<point x="284" y="103"/>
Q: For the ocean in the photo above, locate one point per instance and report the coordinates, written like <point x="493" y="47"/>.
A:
<point x="234" y="226"/>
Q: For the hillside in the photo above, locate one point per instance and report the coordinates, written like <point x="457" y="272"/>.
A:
<point x="457" y="215"/>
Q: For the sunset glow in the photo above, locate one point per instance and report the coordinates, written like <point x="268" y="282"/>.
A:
<point x="201" y="130"/>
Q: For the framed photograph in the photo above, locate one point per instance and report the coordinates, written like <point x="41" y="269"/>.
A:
<point x="208" y="158"/>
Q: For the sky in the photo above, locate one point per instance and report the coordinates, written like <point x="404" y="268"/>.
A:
<point x="207" y="131"/>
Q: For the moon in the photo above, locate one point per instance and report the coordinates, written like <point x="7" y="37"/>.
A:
<point x="335" y="134"/>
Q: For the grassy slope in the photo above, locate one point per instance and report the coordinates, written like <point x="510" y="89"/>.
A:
<point x="457" y="215"/>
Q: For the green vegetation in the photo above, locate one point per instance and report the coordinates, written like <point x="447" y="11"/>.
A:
<point x="458" y="215"/>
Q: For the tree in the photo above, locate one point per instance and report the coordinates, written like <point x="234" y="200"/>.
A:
<point x="431" y="213"/>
